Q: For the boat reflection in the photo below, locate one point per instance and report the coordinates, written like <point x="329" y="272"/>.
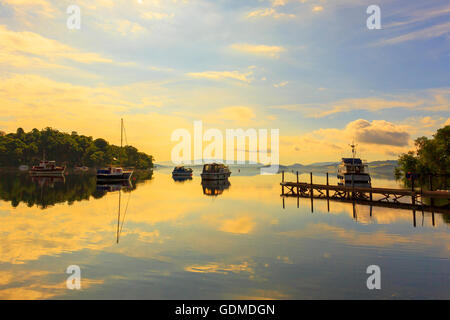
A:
<point x="215" y="187"/>
<point x="48" y="181"/>
<point x="106" y="186"/>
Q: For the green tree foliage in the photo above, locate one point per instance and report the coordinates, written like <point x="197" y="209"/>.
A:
<point x="430" y="158"/>
<point x="69" y="149"/>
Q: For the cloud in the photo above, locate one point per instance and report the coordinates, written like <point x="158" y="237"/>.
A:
<point x="328" y="143"/>
<point x="40" y="7"/>
<point x="379" y="132"/>
<point x="317" y="8"/>
<point x="220" y="75"/>
<point x="122" y="26"/>
<point x="261" y="50"/>
<point x="238" y="114"/>
<point x="426" y="33"/>
<point x="269" y="12"/>
<point x="434" y="100"/>
<point x="151" y="15"/>
<point x="281" y="84"/>
<point x="27" y="43"/>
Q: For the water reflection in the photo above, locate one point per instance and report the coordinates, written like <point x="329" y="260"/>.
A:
<point x="48" y="181"/>
<point x="106" y="186"/>
<point x="48" y="191"/>
<point x="362" y="212"/>
<point x="121" y="219"/>
<point x="155" y="248"/>
<point x="215" y="187"/>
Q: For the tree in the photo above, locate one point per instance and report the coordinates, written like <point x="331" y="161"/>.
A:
<point x="431" y="158"/>
<point x="72" y="149"/>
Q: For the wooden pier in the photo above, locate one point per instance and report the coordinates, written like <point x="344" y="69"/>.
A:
<point x="382" y="197"/>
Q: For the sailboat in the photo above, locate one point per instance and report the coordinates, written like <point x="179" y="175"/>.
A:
<point x="113" y="173"/>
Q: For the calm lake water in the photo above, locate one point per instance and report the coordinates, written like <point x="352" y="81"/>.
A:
<point x="183" y="240"/>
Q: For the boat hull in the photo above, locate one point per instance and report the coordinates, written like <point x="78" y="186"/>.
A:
<point x="46" y="173"/>
<point x="182" y="175"/>
<point x="215" y="176"/>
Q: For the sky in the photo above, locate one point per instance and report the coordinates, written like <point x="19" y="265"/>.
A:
<point x="310" y="68"/>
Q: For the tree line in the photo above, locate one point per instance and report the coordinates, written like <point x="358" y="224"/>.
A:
<point x="70" y="149"/>
<point x="431" y="159"/>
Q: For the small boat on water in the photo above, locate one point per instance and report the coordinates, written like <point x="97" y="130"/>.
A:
<point x="113" y="173"/>
<point x="47" y="168"/>
<point x="24" y="167"/>
<point x="182" y="172"/>
<point x="215" y="171"/>
<point x="353" y="171"/>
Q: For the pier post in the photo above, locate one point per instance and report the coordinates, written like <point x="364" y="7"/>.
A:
<point x="328" y="195"/>
<point x="311" y="186"/>
<point x="430" y="178"/>
<point x="282" y="176"/>
<point x="353" y="189"/>
<point x="298" y="188"/>
<point x="413" y="196"/>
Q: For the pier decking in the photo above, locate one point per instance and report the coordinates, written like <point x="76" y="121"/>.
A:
<point x="383" y="197"/>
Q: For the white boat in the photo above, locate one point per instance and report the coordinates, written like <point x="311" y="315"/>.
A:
<point x="46" y="169"/>
<point x="215" y="171"/>
<point x="353" y="172"/>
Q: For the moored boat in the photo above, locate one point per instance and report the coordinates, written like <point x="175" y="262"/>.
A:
<point x="181" y="171"/>
<point x="113" y="173"/>
<point x="47" y="168"/>
<point x="215" y="171"/>
<point x="353" y="172"/>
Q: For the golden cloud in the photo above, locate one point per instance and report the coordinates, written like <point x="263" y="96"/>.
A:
<point x="220" y="75"/>
<point x="261" y="50"/>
